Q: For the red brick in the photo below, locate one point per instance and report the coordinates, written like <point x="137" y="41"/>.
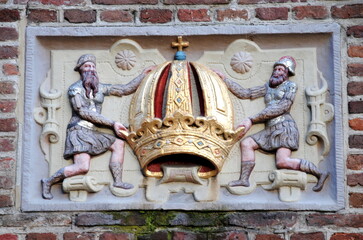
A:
<point x="41" y="236"/>
<point x="308" y="236"/>
<point x="123" y="2"/>
<point x="268" y="237"/>
<point x="355" y="88"/>
<point x="7" y="106"/>
<point x="356" y="200"/>
<point x="356" y="141"/>
<point x="8" y="125"/>
<point x="8" y="237"/>
<point x="117" y="16"/>
<point x="7" y="52"/>
<point x="8" y="33"/>
<point x="355" y="162"/>
<point x="6" y="182"/>
<point x="78" y="236"/>
<point x="42" y="15"/>
<point x="9" y="15"/>
<point x="7" y="144"/>
<point x="62" y="2"/>
<point x="347" y="236"/>
<point x="355" y="179"/>
<point x="355" y="31"/>
<point x="156" y="15"/>
<point x="347" y="11"/>
<point x="3" y="2"/>
<point x="224" y="236"/>
<point x="191" y="235"/>
<point x="338" y="220"/>
<point x="355" y="107"/>
<point x="115" y="236"/>
<point x="355" y="51"/>
<point x="310" y="12"/>
<point x="10" y="69"/>
<point x="262" y="219"/>
<point x="193" y="15"/>
<point x="195" y="2"/>
<point x="280" y="13"/>
<point x="7" y="87"/>
<point x="6" y="163"/>
<point x="356" y="124"/>
<point x="6" y="201"/>
<point x="79" y="16"/>
<point x="261" y="1"/>
<point x="355" y="69"/>
<point x="231" y="14"/>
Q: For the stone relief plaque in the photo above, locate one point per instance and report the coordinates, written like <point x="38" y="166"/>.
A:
<point x="184" y="120"/>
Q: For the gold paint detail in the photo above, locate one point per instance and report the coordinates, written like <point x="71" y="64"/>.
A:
<point x="180" y="44"/>
<point x="209" y="137"/>
<point x="183" y="134"/>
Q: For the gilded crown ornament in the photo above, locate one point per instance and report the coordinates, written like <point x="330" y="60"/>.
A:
<point x="181" y="114"/>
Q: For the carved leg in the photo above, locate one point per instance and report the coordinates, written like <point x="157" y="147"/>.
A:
<point x="48" y="182"/>
<point x="246" y="169"/>
<point x="116" y="169"/>
<point x="309" y="167"/>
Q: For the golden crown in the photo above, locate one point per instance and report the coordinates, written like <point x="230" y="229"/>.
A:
<point x="182" y="114"/>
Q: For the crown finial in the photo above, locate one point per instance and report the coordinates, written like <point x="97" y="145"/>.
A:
<point x="180" y="44"/>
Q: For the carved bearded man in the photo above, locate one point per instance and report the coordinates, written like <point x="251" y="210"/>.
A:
<point x="280" y="135"/>
<point x="83" y="140"/>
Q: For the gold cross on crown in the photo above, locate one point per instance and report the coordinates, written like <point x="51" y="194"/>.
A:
<point x="180" y="44"/>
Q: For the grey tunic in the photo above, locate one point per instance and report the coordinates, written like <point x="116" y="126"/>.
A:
<point x="280" y="128"/>
<point x="82" y="136"/>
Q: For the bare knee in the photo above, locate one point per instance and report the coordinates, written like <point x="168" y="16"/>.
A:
<point x="282" y="163"/>
<point x="117" y="146"/>
<point x="249" y="144"/>
<point x="83" y="168"/>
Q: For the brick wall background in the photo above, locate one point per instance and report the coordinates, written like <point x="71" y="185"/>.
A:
<point x="15" y="15"/>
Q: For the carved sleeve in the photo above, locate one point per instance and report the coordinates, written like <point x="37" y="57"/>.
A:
<point x="277" y="109"/>
<point x="126" y="89"/>
<point x="245" y="93"/>
<point x="78" y="106"/>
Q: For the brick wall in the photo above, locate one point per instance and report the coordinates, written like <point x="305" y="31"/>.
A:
<point x="15" y="15"/>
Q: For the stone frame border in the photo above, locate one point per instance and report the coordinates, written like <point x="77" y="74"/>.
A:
<point x="32" y="45"/>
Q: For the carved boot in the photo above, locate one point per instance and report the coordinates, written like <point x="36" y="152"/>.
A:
<point x="116" y="170"/>
<point x="246" y="169"/>
<point x="309" y="167"/>
<point x="48" y="182"/>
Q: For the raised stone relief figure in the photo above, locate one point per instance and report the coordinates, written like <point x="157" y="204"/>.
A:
<point x="280" y="135"/>
<point x="83" y="140"/>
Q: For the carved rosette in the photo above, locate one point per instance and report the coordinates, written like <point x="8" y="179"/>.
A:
<point x="125" y="59"/>
<point x="241" y="62"/>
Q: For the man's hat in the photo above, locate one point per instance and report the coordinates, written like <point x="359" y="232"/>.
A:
<point x="288" y="62"/>
<point x="83" y="59"/>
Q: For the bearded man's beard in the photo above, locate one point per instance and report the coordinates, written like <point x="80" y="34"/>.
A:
<point x="90" y="82"/>
<point x="277" y="80"/>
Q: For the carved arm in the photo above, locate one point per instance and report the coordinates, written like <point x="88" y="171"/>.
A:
<point x="245" y="93"/>
<point x="89" y="115"/>
<point x="126" y="89"/>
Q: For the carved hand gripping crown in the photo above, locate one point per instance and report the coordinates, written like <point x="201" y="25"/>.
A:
<point x="182" y="115"/>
